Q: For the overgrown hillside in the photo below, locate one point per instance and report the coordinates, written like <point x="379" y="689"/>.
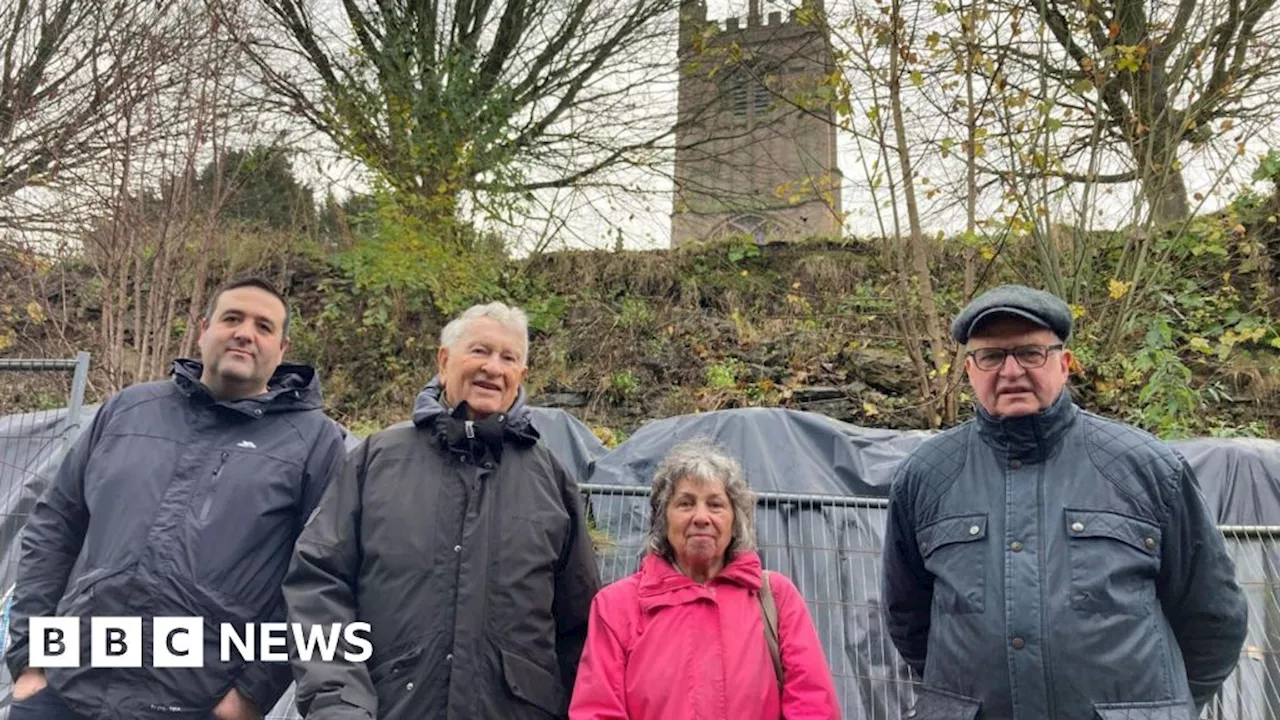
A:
<point x="620" y="337"/>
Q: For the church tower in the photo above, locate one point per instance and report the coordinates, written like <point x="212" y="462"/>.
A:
<point x="755" y="141"/>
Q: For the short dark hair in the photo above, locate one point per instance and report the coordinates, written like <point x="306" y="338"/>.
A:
<point x="254" y="282"/>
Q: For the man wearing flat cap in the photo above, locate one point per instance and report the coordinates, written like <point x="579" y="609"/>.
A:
<point x="1042" y="562"/>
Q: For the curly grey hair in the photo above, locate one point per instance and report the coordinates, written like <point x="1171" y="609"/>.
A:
<point x="701" y="460"/>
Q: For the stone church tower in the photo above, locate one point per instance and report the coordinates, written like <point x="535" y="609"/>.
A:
<point x="755" y="146"/>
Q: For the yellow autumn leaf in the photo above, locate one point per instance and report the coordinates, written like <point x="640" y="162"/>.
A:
<point x="35" y="312"/>
<point x="1077" y="311"/>
<point x="870" y="409"/>
<point x="6" y="341"/>
<point x="1118" y="289"/>
<point x="987" y="252"/>
<point x="1201" y="345"/>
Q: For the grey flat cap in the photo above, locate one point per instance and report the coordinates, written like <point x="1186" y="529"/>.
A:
<point x="1038" y="306"/>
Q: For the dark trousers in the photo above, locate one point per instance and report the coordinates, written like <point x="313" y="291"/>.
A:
<point x="45" y="705"/>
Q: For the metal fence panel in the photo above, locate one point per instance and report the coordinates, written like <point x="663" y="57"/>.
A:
<point x="40" y="410"/>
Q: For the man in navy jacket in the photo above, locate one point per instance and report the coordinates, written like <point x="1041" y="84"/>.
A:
<point x="182" y="498"/>
<point x="1044" y="562"/>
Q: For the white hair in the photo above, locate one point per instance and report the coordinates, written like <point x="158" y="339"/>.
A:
<point x="512" y="318"/>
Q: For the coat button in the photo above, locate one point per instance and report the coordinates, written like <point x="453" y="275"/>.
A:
<point x="1018" y="643"/>
<point x="1150" y="543"/>
<point x="457" y="548"/>
<point x="488" y="465"/>
<point x="408" y="686"/>
<point x="974" y="530"/>
<point x="1015" y="464"/>
<point x="1016" y="546"/>
<point x="448" y="658"/>
<point x="1077" y="527"/>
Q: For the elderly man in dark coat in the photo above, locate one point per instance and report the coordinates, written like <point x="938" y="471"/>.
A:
<point x="1043" y="562"/>
<point x="462" y="542"/>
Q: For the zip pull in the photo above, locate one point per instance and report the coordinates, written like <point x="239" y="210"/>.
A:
<point x="471" y="430"/>
<point x="208" y="498"/>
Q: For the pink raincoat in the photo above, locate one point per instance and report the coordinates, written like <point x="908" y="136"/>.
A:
<point x="662" y="647"/>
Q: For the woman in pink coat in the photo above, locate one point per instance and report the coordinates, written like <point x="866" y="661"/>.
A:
<point x="684" y="637"/>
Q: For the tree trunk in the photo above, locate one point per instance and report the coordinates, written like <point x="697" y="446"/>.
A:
<point x="933" y="405"/>
<point x="1166" y="195"/>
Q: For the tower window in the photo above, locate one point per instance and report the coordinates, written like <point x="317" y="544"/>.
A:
<point x="762" y="98"/>
<point x="738" y="95"/>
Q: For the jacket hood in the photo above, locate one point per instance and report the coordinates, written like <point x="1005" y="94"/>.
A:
<point x="429" y="405"/>
<point x="468" y="438"/>
<point x="662" y="584"/>
<point x="1029" y="437"/>
<point x="293" y="387"/>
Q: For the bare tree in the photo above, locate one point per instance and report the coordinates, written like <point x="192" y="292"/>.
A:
<point x="71" y="70"/>
<point x="154" y="241"/>
<point x="440" y="99"/>
<point x="1159" y="78"/>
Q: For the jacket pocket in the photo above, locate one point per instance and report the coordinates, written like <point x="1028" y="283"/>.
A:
<point x="394" y="666"/>
<point x="1114" y="561"/>
<point x="532" y="684"/>
<point x="935" y="704"/>
<point x="955" y="552"/>
<point x="1170" y="710"/>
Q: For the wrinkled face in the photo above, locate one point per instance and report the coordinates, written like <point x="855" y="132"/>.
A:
<point x="699" y="523"/>
<point x="243" y="342"/>
<point x="1012" y="390"/>
<point x="484" y="368"/>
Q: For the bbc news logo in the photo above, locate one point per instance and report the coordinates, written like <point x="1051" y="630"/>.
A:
<point x="178" y="642"/>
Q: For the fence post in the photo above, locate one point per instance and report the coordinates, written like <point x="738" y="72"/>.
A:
<point x="74" y="405"/>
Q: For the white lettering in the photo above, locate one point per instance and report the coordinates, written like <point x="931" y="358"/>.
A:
<point x="307" y="646"/>
<point x="245" y="644"/>
<point x="349" y="632"/>
<point x="268" y="641"/>
<point x="179" y="642"/>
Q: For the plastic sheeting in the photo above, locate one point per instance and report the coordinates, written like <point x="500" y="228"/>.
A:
<point x="820" y="520"/>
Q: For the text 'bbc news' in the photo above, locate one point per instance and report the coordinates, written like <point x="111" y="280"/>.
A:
<point x="178" y="642"/>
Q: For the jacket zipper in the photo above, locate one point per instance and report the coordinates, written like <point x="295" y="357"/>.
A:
<point x="208" y="497"/>
<point x="1050" y="699"/>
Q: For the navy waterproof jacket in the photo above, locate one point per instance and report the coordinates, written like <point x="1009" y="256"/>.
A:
<point x="174" y="504"/>
<point x="1059" y="565"/>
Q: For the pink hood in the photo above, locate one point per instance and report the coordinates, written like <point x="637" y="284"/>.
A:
<point x="662" y="647"/>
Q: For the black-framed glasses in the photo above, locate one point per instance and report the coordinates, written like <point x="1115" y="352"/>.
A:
<point x="1028" y="356"/>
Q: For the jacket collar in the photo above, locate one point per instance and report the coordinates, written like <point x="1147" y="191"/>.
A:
<point x="468" y="439"/>
<point x="293" y="387"/>
<point x="1029" y="438"/>
<point x="661" y="584"/>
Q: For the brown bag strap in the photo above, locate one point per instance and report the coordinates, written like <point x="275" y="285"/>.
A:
<point x="770" y="612"/>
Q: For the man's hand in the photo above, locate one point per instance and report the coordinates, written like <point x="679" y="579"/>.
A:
<point x="234" y="707"/>
<point x="30" y="682"/>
